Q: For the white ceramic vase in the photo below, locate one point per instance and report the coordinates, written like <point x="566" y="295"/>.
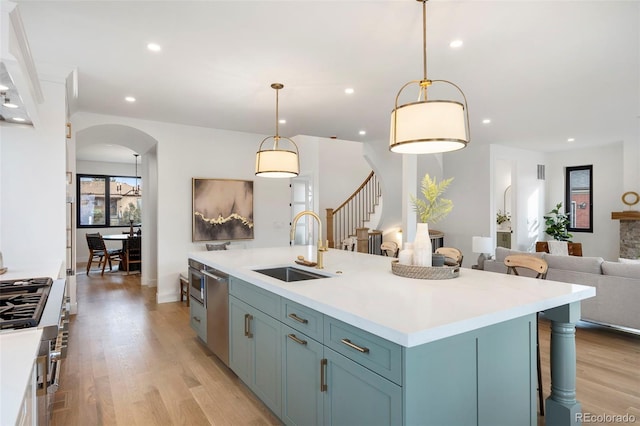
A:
<point x="422" y="246"/>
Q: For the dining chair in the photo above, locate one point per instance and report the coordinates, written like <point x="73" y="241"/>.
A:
<point x="451" y="253"/>
<point x="389" y="248"/>
<point x="349" y="243"/>
<point x="98" y="250"/>
<point x="133" y="252"/>
<point x="539" y="267"/>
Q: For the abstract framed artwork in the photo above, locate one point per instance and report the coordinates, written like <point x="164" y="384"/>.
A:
<point x="222" y="209"/>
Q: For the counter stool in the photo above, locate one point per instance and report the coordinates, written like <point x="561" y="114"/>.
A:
<point x="184" y="287"/>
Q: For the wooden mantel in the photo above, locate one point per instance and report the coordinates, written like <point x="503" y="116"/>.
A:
<point x="627" y="215"/>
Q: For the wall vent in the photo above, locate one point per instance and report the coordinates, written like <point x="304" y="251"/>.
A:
<point x="540" y="171"/>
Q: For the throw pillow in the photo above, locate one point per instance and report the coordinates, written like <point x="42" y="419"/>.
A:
<point x="558" y="247"/>
<point x="219" y="246"/>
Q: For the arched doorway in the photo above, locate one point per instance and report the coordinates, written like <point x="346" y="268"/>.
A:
<point x="111" y="146"/>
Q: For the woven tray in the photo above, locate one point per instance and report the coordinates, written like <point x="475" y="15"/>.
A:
<point x="425" y="272"/>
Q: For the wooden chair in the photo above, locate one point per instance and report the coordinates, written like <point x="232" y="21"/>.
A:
<point x="389" y="248"/>
<point x="133" y="252"/>
<point x="98" y="250"/>
<point x="539" y="267"/>
<point x="349" y="243"/>
<point x="452" y="253"/>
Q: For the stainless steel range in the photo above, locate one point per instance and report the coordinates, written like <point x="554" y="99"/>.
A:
<point x="39" y="302"/>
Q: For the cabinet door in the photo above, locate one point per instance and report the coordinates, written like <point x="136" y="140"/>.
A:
<point x="358" y="396"/>
<point x="255" y="352"/>
<point x="267" y="360"/>
<point x="302" y="398"/>
<point x="240" y="345"/>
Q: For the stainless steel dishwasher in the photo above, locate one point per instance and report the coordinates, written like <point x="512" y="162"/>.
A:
<point x="217" y="294"/>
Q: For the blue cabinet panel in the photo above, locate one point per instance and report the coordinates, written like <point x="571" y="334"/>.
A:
<point x="302" y="399"/>
<point x="369" y="350"/>
<point x="357" y="396"/>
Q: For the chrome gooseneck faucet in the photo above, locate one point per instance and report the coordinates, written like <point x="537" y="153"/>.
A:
<point x="320" y="248"/>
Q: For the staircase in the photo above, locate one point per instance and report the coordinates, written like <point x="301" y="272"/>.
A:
<point x="349" y="219"/>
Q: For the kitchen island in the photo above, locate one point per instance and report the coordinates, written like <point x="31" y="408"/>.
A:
<point x="454" y="351"/>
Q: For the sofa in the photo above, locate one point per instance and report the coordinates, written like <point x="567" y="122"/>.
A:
<point x="617" y="284"/>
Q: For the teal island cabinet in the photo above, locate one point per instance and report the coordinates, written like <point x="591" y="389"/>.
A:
<point x="366" y="347"/>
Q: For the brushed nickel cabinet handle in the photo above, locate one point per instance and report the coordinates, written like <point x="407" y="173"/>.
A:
<point x="247" y="325"/>
<point x="354" y="346"/>
<point x="297" y="318"/>
<point x="295" y="339"/>
<point x="323" y="367"/>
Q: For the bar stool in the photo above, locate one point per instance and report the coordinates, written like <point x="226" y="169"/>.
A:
<point x="539" y="267"/>
<point x="184" y="287"/>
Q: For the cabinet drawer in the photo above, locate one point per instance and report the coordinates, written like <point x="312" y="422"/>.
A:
<point x="198" y="319"/>
<point x="263" y="300"/>
<point x="303" y="319"/>
<point x="373" y="352"/>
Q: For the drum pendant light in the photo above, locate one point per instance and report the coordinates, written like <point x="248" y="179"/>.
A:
<point x="277" y="162"/>
<point x="428" y="126"/>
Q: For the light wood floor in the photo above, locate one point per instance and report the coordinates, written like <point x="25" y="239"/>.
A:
<point x="134" y="362"/>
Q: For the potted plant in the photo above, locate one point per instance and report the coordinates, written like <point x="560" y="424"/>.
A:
<point x="556" y="223"/>
<point x="503" y="219"/>
<point x="433" y="207"/>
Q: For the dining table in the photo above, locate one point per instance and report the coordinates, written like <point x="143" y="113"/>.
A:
<point x="124" y="237"/>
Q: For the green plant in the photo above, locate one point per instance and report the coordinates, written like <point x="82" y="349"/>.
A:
<point x="433" y="208"/>
<point x="557" y="223"/>
<point x="502" y="217"/>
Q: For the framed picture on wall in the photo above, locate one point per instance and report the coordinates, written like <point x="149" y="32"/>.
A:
<point x="222" y="209"/>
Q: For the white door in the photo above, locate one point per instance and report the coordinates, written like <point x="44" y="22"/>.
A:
<point x="301" y="200"/>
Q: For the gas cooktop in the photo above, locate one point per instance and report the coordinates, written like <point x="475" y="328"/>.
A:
<point x="22" y="302"/>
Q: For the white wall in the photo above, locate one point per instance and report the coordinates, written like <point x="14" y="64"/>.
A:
<point x="33" y="185"/>
<point x="607" y="191"/>
<point x="471" y="196"/>
<point x="341" y="163"/>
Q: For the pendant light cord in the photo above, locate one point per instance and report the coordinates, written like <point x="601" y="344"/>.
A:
<point x="424" y="37"/>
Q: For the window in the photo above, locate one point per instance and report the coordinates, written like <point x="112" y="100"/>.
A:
<point x="579" y="198"/>
<point x="105" y="201"/>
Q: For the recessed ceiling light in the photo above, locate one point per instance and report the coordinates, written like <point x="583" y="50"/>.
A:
<point x="18" y="119"/>
<point x="154" y="47"/>
<point x="571" y="140"/>
<point x="130" y="99"/>
<point x="455" y="43"/>
<point x="282" y="121"/>
<point x="486" y="121"/>
<point x="3" y="87"/>
<point x="349" y="91"/>
<point x="362" y="132"/>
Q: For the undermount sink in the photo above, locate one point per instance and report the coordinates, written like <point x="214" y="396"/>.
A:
<point x="290" y="274"/>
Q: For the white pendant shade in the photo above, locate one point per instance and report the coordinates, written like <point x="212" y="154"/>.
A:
<point x="277" y="163"/>
<point x="428" y="127"/>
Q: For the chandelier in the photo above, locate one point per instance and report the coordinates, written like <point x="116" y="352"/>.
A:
<point x="277" y="162"/>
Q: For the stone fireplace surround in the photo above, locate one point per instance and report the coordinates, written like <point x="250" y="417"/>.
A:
<point x="629" y="233"/>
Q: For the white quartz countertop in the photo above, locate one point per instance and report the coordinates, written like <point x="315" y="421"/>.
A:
<point x="362" y="291"/>
<point x="53" y="269"/>
<point x="18" y="350"/>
